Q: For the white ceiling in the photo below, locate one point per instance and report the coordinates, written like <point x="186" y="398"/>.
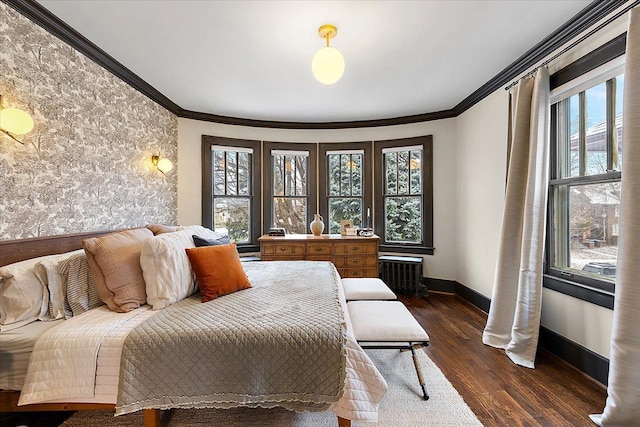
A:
<point x="252" y="59"/>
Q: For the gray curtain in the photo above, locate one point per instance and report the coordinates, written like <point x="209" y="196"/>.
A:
<point x="514" y="315"/>
<point x="623" y="401"/>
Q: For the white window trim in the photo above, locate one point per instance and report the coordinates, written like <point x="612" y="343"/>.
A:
<point x="594" y="77"/>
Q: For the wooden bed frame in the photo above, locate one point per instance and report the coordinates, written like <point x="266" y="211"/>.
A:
<point x="19" y="250"/>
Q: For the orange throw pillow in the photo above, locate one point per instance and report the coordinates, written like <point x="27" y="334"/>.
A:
<point x="218" y="270"/>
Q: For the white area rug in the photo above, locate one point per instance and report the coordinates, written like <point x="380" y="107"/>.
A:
<point x="402" y="405"/>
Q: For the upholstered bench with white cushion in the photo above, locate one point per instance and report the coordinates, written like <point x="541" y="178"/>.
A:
<point x="366" y="288"/>
<point x="388" y="325"/>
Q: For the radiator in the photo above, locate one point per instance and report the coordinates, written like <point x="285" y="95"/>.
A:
<point x="401" y="273"/>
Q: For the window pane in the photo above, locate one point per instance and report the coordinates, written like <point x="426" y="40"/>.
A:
<point x="244" y="173"/>
<point x="416" y="171"/>
<point x="592" y="230"/>
<point x="617" y="163"/>
<point x="218" y="172"/>
<point x="344" y="208"/>
<point x="334" y="174"/>
<point x="290" y="176"/>
<point x="232" y="166"/>
<point x="391" y="177"/>
<point x="356" y="174"/>
<point x="596" y="116"/>
<point x="278" y="175"/>
<point x="574" y="129"/>
<point x="232" y="216"/>
<point x="290" y="213"/>
<point x="301" y="175"/>
<point x="403" y="219"/>
<point x="403" y="172"/>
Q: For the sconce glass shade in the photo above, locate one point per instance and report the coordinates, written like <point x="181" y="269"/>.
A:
<point x="328" y="65"/>
<point x="15" y="121"/>
<point x="164" y="165"/>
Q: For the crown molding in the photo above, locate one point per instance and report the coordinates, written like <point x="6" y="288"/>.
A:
<point x="587" y="17"/>
<point x="438" y="115"/>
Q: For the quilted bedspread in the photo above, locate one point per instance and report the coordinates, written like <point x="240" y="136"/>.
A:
<point x="280" y="343"/>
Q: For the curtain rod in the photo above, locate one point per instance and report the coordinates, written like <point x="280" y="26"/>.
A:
<point x="575" y="43"/>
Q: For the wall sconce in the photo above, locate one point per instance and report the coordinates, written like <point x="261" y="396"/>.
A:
<point x="163" y="165"/>
<point x="14" y="122"/>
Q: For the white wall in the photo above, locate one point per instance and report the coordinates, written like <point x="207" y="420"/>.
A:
<point x="481" y="162"/>
<point x="481" y="158"/>
<point x="441" y="265"/>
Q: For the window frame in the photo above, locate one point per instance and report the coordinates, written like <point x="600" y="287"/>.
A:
<point x="594" y="68"/>
<point x="426" y="246"/>
<point x="323" y="177"/>
<point x="312" y="175"/>
<point x="255" y="186"/>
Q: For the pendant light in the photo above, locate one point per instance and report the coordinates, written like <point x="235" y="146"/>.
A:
<point x="328" y="63"/>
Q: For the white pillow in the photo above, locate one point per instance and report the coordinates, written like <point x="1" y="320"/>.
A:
<point x="47" y="273"/>
<point x="165" y="266"/>
<point x="24" y="298"/>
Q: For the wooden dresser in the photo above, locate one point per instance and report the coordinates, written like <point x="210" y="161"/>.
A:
<point x="353" y="256"/>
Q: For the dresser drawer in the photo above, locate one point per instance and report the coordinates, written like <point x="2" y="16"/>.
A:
<point x="356" y="248"/>
<point x="314" y="249"/>
<point x="354" y="261"/>
<point x="357" y="272"/>
<point x="283" y="249"/>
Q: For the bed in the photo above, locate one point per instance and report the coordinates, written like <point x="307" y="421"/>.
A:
<point x="360" y="376"/>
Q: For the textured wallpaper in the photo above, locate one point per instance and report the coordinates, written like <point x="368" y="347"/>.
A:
<point x="86" y="165"/>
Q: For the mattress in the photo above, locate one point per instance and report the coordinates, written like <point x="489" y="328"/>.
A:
<point x="15" y="349"/>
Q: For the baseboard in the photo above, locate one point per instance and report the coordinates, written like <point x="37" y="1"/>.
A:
<point x="583" y="359"/>
<point x="473" y="297"/>
<point x="439" y="285"/>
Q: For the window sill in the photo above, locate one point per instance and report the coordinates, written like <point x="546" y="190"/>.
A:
<point x="407" y="249"/>
<point x="579" y="291"/>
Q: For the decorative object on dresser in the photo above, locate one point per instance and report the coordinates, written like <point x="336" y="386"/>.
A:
<point x="345" y="226"/>
<point x="317" y="225"/>
<point x="277" y="232"/>
<point x="352" y="256"/>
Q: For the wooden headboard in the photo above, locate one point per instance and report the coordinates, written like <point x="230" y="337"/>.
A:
<point x="19" y="250"/>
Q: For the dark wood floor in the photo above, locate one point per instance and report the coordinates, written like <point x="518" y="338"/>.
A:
<point x="499" y="392"/>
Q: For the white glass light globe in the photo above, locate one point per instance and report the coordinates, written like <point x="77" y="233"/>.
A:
<point x="165" y="165"/>
<point x="328" y="65"/>
<point x="15" y="121"/>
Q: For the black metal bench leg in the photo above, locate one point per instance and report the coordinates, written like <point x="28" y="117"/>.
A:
<point x="425" y="395"/>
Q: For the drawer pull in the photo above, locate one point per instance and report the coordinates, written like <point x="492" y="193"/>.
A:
<point x="355" y="248"/>
<point x="355" y="260"/>
<point x="282" y="249"/>
<point x="318" y="249"/>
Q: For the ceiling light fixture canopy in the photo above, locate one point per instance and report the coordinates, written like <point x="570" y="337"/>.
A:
<point x="328" y="62"/>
